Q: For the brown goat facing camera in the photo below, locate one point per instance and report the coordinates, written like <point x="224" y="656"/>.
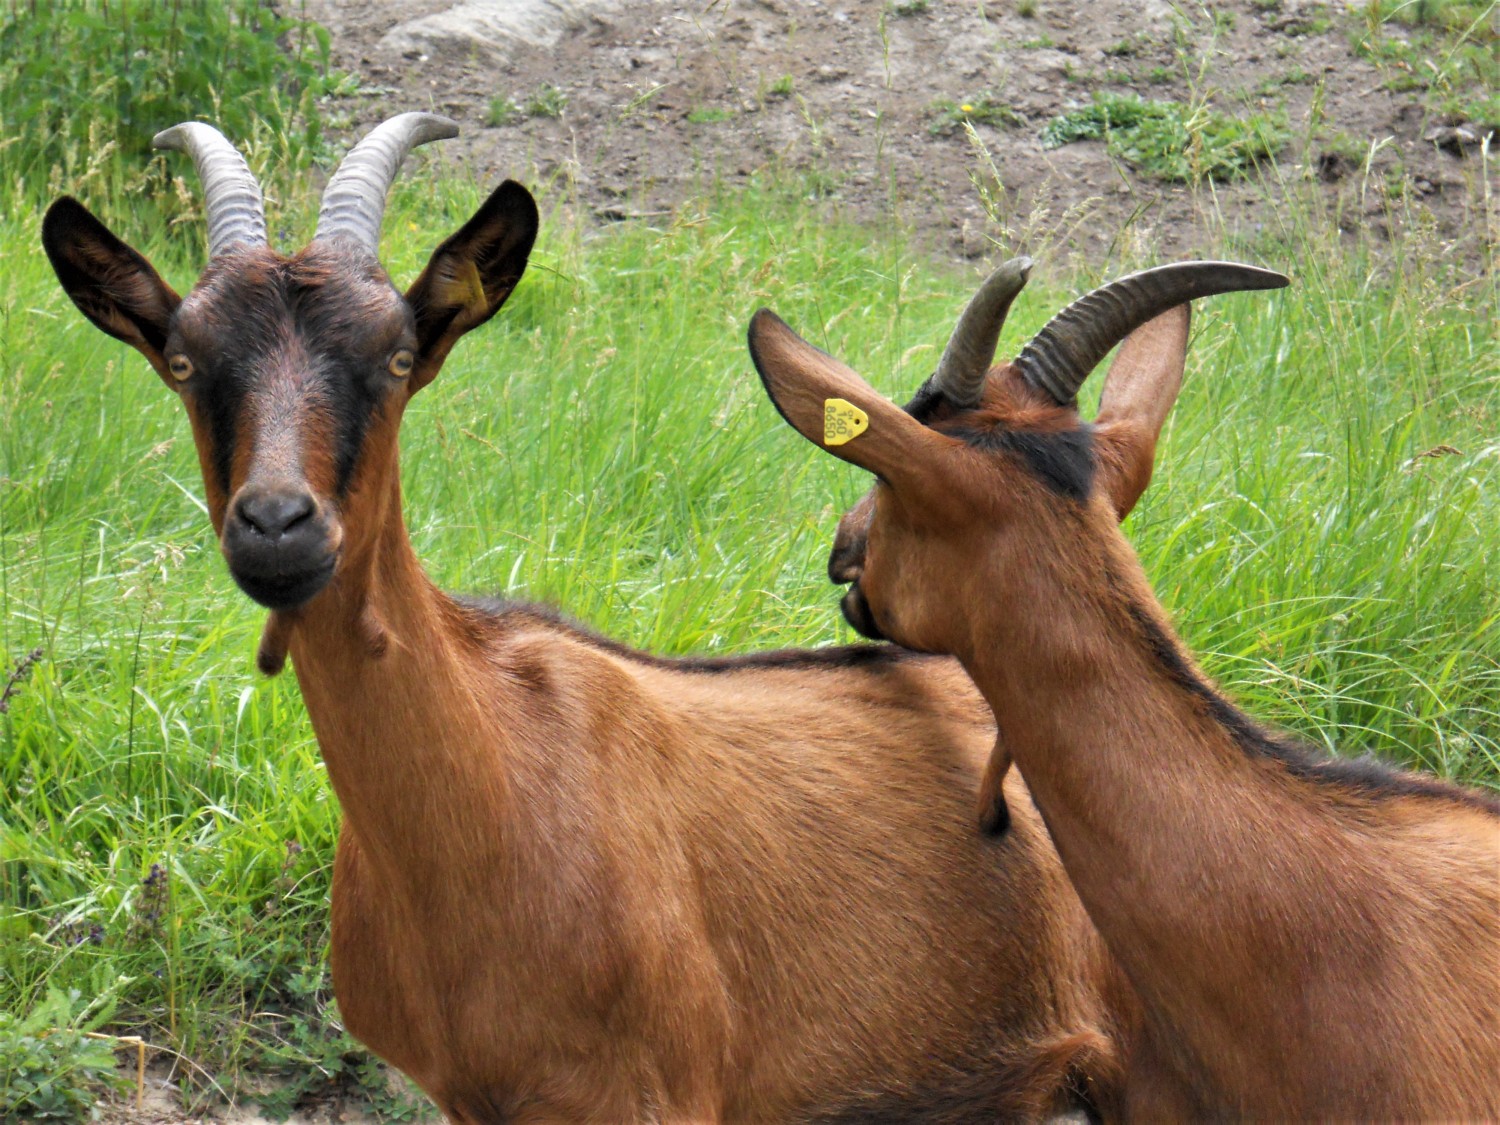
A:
<point x="576" y="882"/>
<point x="1310" y="938"/>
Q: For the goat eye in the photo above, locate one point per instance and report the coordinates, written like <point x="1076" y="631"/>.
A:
<point x="401" y="364"/>
<point x="181" y="367"/>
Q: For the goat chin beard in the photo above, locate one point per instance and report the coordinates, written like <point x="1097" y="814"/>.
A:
<point x="270" y="656"/>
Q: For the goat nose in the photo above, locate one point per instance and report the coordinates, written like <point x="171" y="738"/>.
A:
<point x="274" y="512"/>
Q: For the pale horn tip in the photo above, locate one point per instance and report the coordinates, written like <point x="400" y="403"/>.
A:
<point x="174" y="139"/>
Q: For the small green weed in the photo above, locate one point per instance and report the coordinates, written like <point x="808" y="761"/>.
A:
<point x="910" y="7"/>
<point x="305" y="1047"/>
<point x="1305" y="22"/>
<point x="502" y="110"/>
<point x="1040" y="42"/>
<point x="50" y="1069"/>
<point x="1026" y="9"/>
<point x="1129" y="47"/>
<point x="781" y="87"/>
<point x="986" y="109"/>
<point x="1293" y="77"/>
<point x="548" y="101"/>
<point x="1079" y="75"/>
<point x="709" y="114"/>
<point x="1169" y="140"/>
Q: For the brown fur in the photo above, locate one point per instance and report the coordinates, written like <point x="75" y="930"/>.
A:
<point x="579" y="884"/>
<point x="1309" y="939"/>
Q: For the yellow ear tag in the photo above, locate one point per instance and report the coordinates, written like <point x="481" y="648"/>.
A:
<point x="842" y="421"/>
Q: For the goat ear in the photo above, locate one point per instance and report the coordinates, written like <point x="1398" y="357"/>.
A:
<point x="1139" y="391"/>
<point x="112" y="284"/>
<point x="806" y="386"/>
<point x="470" y="275"/>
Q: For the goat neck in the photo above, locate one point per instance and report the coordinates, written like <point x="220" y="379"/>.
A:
<point x="1309" y="937"/>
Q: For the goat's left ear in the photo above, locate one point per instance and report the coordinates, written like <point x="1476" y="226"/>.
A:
<point x="470" y="275"/>
<point x="832" y="407"/>
<point x="1139" y="391"/>
<point x="111" y="283"/>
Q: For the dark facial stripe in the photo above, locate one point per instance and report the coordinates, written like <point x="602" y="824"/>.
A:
<point x="351" y="383"/>
<point x="353" y="403"/>
<point x="221" y="402"/>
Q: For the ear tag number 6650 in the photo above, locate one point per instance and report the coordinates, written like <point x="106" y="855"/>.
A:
<point x="842" y="421"/>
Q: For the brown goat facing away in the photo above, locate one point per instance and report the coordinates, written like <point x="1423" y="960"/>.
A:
<point x="1309" y="938"/>
<point x="577" y="882"/>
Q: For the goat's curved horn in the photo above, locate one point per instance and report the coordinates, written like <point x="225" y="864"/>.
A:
<point x="1059" y="357"/>
<point x="354" y="200"/>
<point x="231" y="197"/>
<point x="971" y="349"/>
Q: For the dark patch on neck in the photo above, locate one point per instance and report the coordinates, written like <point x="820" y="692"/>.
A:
<point x="1063" y="460"/>
<point x="1364" y="776"/>
<point x="927" y="402"/>
<point x="832" y="657"/>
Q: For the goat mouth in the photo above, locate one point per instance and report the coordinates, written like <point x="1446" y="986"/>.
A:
<point x="856" y="611"/>
<point x="282" y="590"/>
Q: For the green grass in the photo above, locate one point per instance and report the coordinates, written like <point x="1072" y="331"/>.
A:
<point x="709" y="114"/>
<point x="547" y="101"/>
<point x="502" y="111"/>
<point x="86" y="84"/>
<point x="1448" y="51"/>
<point x="603" y="444"/>
<point x="1172" y="141"/>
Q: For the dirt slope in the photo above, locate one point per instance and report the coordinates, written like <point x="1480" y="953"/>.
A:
<point x="840" y="94"/>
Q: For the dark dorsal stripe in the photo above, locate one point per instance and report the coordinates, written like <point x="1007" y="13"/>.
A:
<point x="1364" y="776"/>
<point x="832" y="657"/>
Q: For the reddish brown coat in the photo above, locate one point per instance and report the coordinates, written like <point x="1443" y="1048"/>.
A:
<point x="1309" y="939"/>
<point x="576" y="883"/>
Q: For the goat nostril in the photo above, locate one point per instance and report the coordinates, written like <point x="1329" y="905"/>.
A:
<point x="273" y="514"/>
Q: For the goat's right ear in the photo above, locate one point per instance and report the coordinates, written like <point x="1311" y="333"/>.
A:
<point x="815" y="393"/>
<point x="470" y="275"/>
<point x="1142" y="384"/>
<point x="112" y="284"/>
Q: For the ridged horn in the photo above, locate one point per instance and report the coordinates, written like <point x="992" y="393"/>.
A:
<point x="231" y="197"/>
<point x="354" y="200"/>
<point x="1059" y="357"/>
<point x="971" y="349"/>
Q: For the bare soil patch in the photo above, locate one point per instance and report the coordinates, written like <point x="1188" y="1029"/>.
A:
<point x="657" y="99"/>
